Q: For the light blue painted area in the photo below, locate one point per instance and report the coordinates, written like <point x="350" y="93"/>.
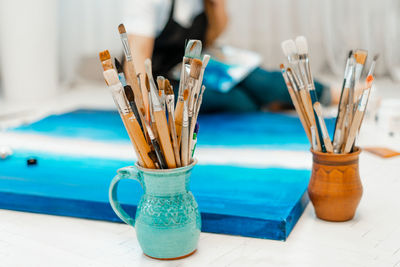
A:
<point x="256" y="130"/>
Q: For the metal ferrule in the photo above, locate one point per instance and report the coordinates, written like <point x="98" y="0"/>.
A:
<point x="309" y="75"/>
<point x="363" y="102"/>
<point x="154" y="98"/>
<point x="120" y="99"/>
<point x="185" y="121"/>
<point x="295" y="81"/>
<point x="349" y="76"/>
<point x="358" y="71"/>
<point x="295" y="86"/>
<point x="125" y="44"/>
<point x="170" y="103"/>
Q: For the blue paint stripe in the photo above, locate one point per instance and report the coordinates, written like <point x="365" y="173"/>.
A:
<point x="261" y="130"/>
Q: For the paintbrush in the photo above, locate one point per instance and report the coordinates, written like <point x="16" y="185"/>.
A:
<point x="325" y="134"/>
<point x="306" y="103"/>
<point x="105" y="59"/>
<point x="195" y="69"/>
<point x="342" y="105"/>
<point x="302" y="49"/>
<point x="339" y="133"/>
<point x="156" y="146"/>
<point x="141" y="98"/>
<point x="131" y="100"/>
<point x="198" y="104"/>
<point x="297" y="107"/>
<point x="356" y="122"/>
<point x="130" y="121"/>
<point x="361" y="58"/>
<point x="372" y="68"/>
<point x="161" y="90"/>
<point x="160" y="119"/>
<point x="348" y="118"/>
<point x="192" y="50"/>
<point x="121" y="75"/>
<point x="289" y="48"/>
<point x="206" y="59"/>
<point x="169" y="96"/>
<point x="151" y="119"/>
<point x="185" y="130"/>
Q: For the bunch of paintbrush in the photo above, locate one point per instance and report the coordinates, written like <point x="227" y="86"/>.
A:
<point x="354" y="97"/>
<point x="163" y="136"/>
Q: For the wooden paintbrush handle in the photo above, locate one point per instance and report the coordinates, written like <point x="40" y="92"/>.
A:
<point x="140" y="97"/>
<point x="137" y="137"/>
<point x="310" y="112"/>
<point x="353" y="131"/>
<point x="178" y="120"/>
<point x="300" y="112"/>
<point x="165" y="140"/>
<point x="338" y="138"/>
<point x="185" y="146"/>
<point x="174" y="138"/>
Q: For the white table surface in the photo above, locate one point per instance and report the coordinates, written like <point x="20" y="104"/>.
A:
<point x="372" y="238"/>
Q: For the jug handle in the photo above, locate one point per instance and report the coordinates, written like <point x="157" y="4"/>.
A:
<point x="124" y="173"/>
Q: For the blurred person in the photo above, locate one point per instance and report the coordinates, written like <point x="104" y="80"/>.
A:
<point x="158" y="29"/>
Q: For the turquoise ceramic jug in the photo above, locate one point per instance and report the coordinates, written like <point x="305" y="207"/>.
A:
<point x="167" y="219"/>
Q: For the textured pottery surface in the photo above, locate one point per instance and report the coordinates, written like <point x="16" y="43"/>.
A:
<point x="167" y="219"/>
<point x="335" y="187"/>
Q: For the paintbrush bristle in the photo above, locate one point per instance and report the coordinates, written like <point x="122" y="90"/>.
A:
<point x="301" y="44"/>
<point x="289" y="47"/>
<point x="185" y="94"/>
<point x="121" y="28"/>
<point x="147" y="83"/>
<point x="370" y="79"/>
<point x="118" y="66"/>
<point x="168" y="88"/>
<point x="361" y="56"/>
<point x="281" y="66"/>
<point x="195" y="68"/>
<point x="129" y="93"/>
<point x="193" y="49"/>
<point x="160" y="82"/>
<point x="104" y="55"/>
<point x="376" y="57"/>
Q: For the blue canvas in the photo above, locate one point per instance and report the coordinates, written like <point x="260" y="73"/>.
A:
<point x="237" y="200"/>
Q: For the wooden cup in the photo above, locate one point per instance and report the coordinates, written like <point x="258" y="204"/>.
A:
<point x="335" y="187"/>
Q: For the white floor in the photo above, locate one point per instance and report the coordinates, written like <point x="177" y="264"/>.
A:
<point x="372" y="238"/>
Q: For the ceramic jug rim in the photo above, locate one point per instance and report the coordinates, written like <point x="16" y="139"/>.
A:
<point x="357" y="151"/>
<point x="185" y="168"/>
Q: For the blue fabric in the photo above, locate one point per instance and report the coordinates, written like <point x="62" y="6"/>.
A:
<point x="259" y="89"/>
<point x="257" y="130"/>
<point x="236" y="200"/>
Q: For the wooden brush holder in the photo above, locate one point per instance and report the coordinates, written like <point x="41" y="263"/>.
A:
<point x="335" y="187"/>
